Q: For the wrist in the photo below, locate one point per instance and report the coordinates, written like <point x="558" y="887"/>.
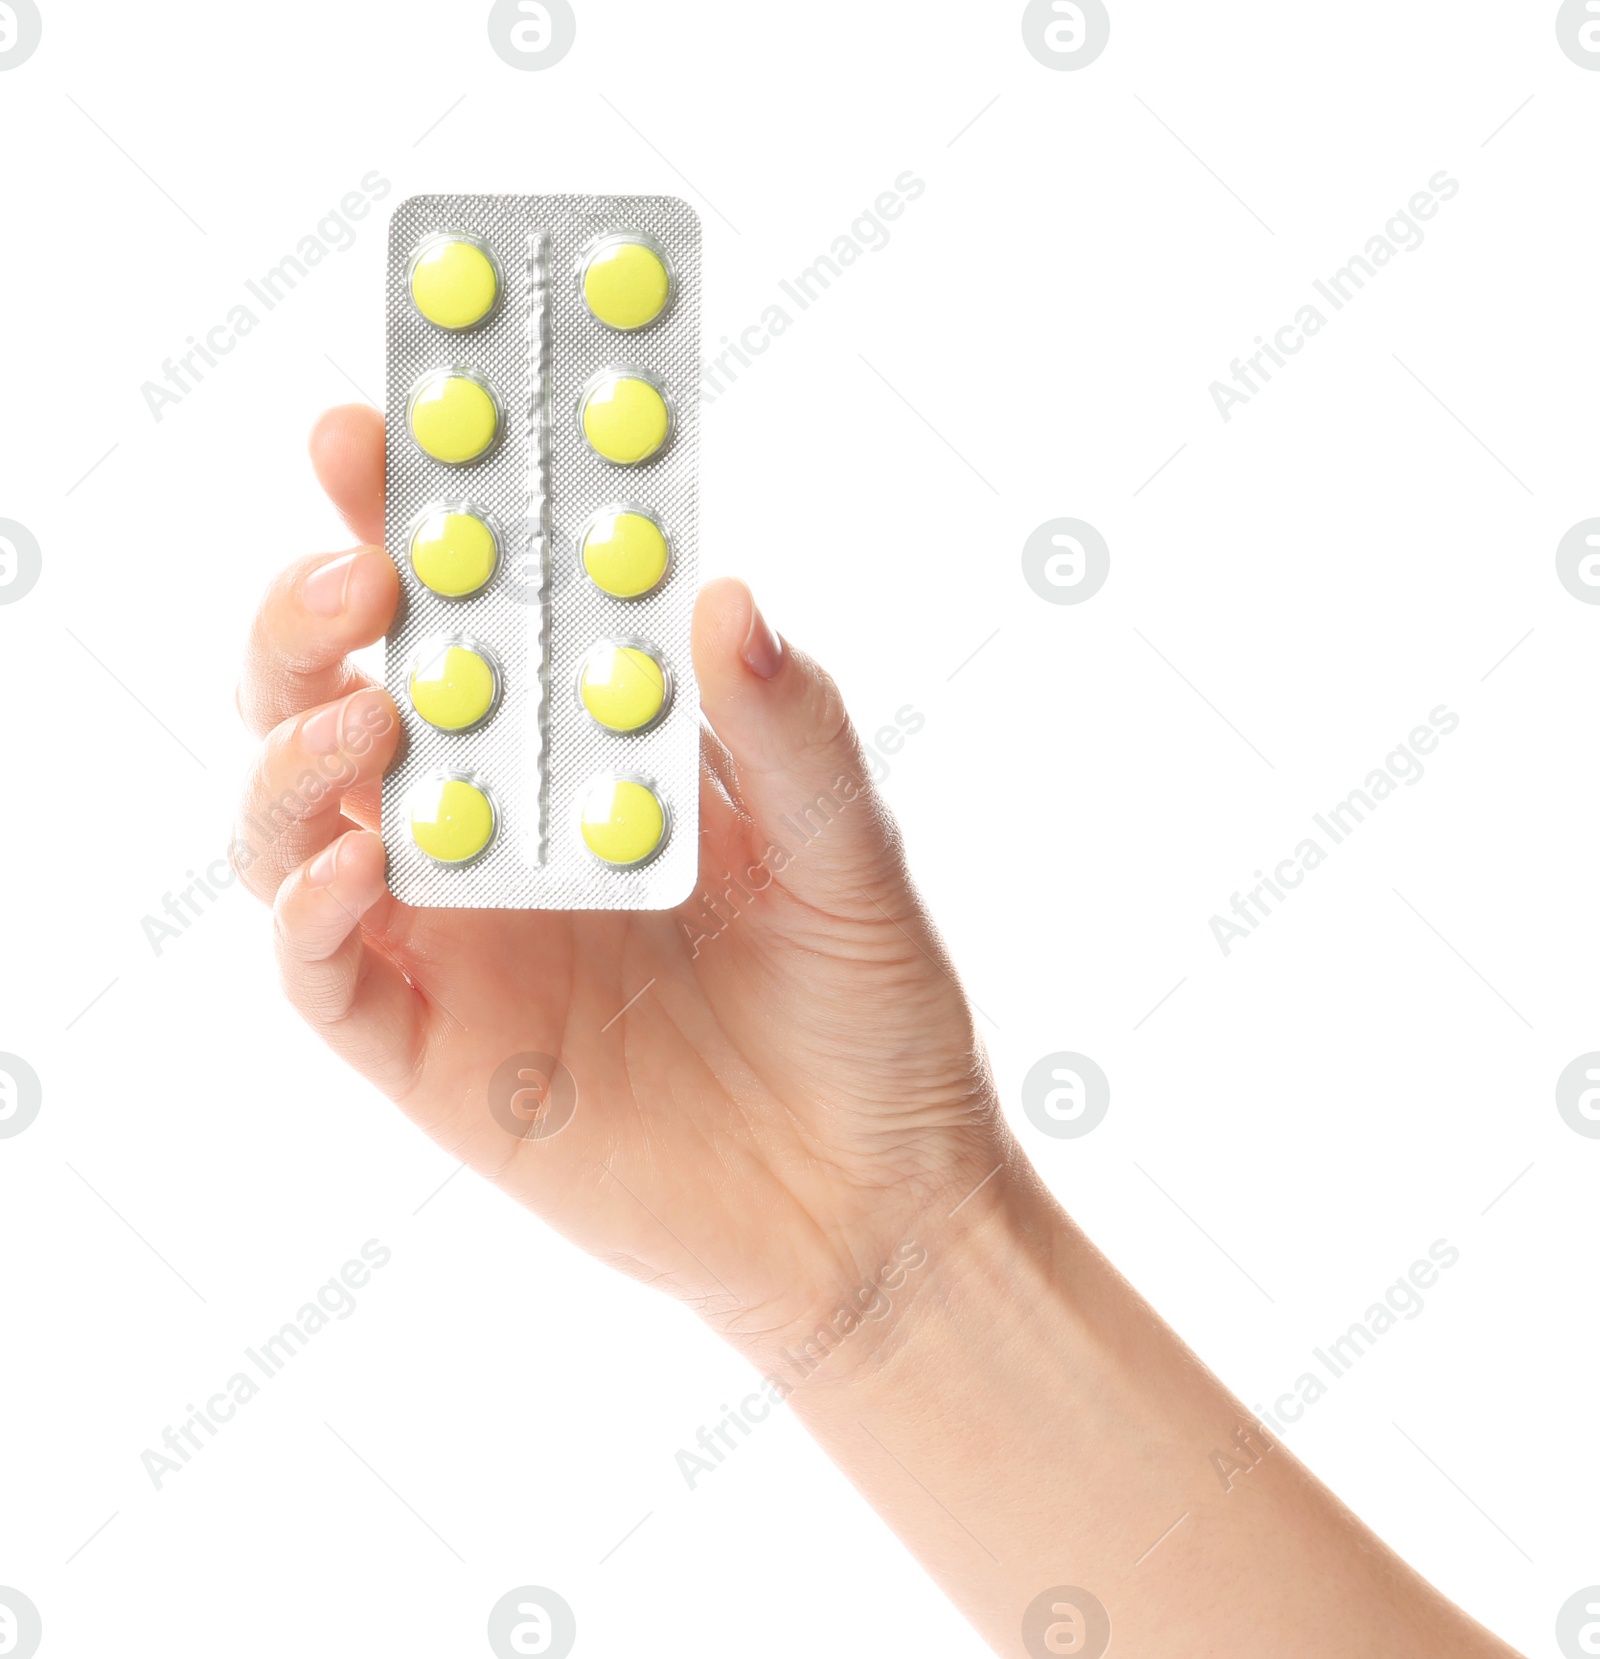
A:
<point x="968" y="1267"/>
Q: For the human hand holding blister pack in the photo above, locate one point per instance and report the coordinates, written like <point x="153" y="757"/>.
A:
<point x="684" y="1091"/>
<point x="771" y="1100"/>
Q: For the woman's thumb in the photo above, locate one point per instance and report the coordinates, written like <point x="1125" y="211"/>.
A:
<point x="799" y="769"/>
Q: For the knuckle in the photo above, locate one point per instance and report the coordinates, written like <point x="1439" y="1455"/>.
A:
<point x="829" y="721"/>
<point x="280" y="821"/>
<point x="255" y="861"/>
<point x="260" y="882"/>
<point x="320" y="987"/>
<point x="285" y="669"/>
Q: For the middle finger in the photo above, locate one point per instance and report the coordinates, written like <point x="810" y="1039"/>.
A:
<point x="315" y="612"/>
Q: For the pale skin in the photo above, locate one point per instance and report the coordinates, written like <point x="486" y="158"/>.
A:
<point x="798" y="1098"/>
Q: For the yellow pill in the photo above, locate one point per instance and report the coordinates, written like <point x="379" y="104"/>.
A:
<point x="454" y="687"/>
<point x="454" y="282"/>
<point x="452" y="820"/>
<point x="625" y="418"/>
<point x="626" y="284"/>
<point x="622" y="822"/>
<point x="624" y="554"/>
<point x="453" y="552"/>
<point x="453" y="416"/>
<point x="622" y="686"/>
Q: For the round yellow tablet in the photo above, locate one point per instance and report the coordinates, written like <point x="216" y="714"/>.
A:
<point x="623" y="823"/>
<point x="452" y="820"/>
<point x="453" y="416"/>
<point x="454" y="686"/>
<point x="624" y="687"/>
<point x="624" y="553"/>
<point x="453" y="552"/>
<point x="626" y="283"/>
<point x="454" y="283"/>
<point x="625" y="418"/>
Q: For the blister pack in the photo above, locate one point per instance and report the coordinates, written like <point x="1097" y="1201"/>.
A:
<point x="541" y="508"/>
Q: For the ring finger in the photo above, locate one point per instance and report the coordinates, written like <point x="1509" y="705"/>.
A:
<point x="294" y="803"/>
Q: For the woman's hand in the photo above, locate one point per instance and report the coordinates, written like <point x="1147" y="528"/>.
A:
<point x="777" y="1084"/>
<point x="779" y="1088"/>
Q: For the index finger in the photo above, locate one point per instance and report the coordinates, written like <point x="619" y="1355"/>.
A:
<point x="347" y="456"/>
<point x="321" y="608"/>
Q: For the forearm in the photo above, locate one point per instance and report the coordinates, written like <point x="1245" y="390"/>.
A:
<point x="1023" y="1420"/>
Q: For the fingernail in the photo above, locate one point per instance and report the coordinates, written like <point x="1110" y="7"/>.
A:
<point x="325" y="590"/>
<point x="763" y="650"/>
<point x="322" y="869"/>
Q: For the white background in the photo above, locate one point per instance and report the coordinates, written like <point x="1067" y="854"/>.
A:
<point x="1363" y="542"/>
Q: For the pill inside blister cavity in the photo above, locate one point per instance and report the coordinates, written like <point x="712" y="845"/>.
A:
<point x="624" y="552"/>
<point x="454" y="684"/>
<point x="623" y="685"/>
<point x="622" y="821"/>
<point x="453" y="416"/>
<point x="626" y="281"/>
<point x="452" y="818"/>
<point x="454" y="282"/>
<point x="453" y="551"/>
<point x="625" y="416"/>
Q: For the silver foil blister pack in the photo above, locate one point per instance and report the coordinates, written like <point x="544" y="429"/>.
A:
<point x="541" y="509"/>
